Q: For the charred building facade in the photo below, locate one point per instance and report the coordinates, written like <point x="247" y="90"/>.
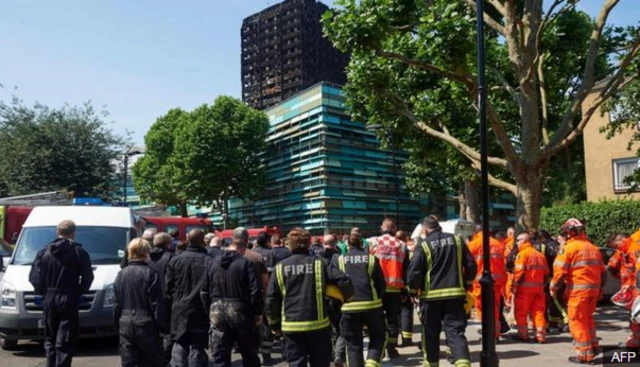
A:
<point x="284" y="52"/>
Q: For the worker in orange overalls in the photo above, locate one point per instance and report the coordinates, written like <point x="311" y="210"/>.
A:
<point x="498" y="272"/>
<point x="509" y="243"/>
<point x="530" y="275"/>
<point x="580" y="266"/>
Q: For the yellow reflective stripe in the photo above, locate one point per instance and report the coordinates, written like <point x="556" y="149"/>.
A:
<point x="370" y="268"/>
<point x="441" y="293"/>
<point x="301" y="326"/>
<point x="392" y="290"/>
<point x="341" y="264"/>
<point x="462" y="363"/>
<point x="427" y="281"/>
<point x="362" y="305"/>
<point x="371" y="363"/>
<point x="280" y="280"/>
<point x="319" y="289"/>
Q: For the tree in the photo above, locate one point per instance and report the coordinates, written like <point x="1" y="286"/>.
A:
<point x="204" y="156"/>
<point x="411" y="58"/>
<point x="47" y="149"/>
<point x="154" y="175"/>
<point x="219" y="150"/>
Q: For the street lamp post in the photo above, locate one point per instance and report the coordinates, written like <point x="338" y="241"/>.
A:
<point x="488" y="357"/>
<point x="374" y="128"/>
<point x="127" y="154"/>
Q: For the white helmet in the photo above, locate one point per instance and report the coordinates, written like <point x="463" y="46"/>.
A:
<point x="635" y="311"/>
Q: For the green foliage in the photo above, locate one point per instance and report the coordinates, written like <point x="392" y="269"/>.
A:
<point x="204" y="156"/>
<point x="45" y="149"/>
<point x="602" y="218"/>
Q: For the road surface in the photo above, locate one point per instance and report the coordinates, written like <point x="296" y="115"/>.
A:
<point x="611" y="324"/>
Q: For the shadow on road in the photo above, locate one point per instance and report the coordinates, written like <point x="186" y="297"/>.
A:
<point x="86" y="348"/>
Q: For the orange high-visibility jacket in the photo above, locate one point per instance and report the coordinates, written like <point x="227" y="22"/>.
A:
<point x="531" y="270"/>
<point x="393" y="257"/>
<point x="508" y="243"/>
<point x="497" y="250"/>
<point x="580" y="266"/>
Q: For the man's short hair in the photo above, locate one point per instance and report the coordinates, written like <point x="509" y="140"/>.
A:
<point x="330" y="239"/>
<point x="162" y="240"/>
<point x="138" y="248"/>
<point x="388" y="225"/>
<point x="298" y="238"/>
<point x="66" y="228"/>
<point x="431" y="222"/>
<point x="275" y="239"/>
<point x="149" y="234"/>
<point x="355" y="241"/>
<point x="263" y="239"/>
<point x="241" y="233"/>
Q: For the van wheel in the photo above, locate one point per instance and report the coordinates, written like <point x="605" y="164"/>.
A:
<point x="7" y="344"/>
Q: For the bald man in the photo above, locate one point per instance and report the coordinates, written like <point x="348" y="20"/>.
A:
<point x="189" y="318"/>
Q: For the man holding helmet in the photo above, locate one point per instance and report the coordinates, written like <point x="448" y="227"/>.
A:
<point x="580" y="266"/>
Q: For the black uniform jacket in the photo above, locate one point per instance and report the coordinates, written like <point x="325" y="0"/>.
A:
<point x="138" y="291"/>
<point x="184" y="278"/>
<point x="304" y="278"/>
<point x="356" y="264"/>
<point x="233" y="278"/>
<point x="448" y="264"/>
<point x="61" y="268"/>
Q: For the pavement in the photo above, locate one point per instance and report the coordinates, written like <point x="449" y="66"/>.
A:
<point x="611" y="324"/>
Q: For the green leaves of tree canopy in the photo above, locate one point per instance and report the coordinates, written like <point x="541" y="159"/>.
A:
<point x="413" y="69"/>
<point x="45" y="149"/>
<point x="204" y="156"/>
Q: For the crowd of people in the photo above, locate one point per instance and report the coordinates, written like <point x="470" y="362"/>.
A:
<point x="320" y="300"/>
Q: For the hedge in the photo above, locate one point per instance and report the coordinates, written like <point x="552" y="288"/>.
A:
<point x="603" y="218"/>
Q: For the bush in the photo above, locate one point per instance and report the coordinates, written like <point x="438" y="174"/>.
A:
<point x="603" y="218"/>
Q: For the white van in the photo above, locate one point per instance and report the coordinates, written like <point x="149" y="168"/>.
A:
<point x="458" y="227"/>
<point x="103" y="232"/>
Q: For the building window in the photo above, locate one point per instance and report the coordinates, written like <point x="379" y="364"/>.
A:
<point x="623" y="168"/>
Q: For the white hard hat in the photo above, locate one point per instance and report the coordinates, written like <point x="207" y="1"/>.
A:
<point x="635" y="311"/>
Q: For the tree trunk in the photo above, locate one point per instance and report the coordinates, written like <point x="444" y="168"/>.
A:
<point x="462" y="202"/>
<point x="472" y="195"/>
<point x="184" y="212"/>
<point x="529" y="198"/>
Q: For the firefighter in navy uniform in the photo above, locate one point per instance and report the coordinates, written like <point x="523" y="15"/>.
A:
<point x="366" y="306"/>
<point x="331" y="252"/>
<point x="296" y="302"/>
<point x="441" y="269"/>
<point x="406" y="315"/>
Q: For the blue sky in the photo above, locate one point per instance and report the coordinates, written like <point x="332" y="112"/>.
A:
<point x="138" y="58"/>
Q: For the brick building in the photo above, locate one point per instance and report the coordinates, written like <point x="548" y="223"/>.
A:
<point x="284" y="52"/>
<point x="608" y="161"/>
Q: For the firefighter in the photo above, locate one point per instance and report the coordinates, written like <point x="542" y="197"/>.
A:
<point x="264" y="249"/>
<point x="331" y="252"/>
<point x="366" y="306"/>
<point x="394" y="260"/>
<point x="549" y="248"/>
<point x="189" y="319"/>
<point x="498" y="271"/>
<point x="529" y="278"/>
<point x="441" y="269"/>
<point x="279" y="252"/>
<point x="139" y="309"/>
<point x="580" y="266"/>
<point x="407" y="310"/>
<point x="61" y="273"/>
<point x="233" y="295"/>
<point x="158" y="260"/>
<point x="295" y="302"/>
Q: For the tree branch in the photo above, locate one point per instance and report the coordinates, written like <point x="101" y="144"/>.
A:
<point x="543" y="100"/>
<point x="487" y="19"/>
<point x="496" y="182"/>
<point x="424" y="66"/>
<point x="512" y="91"/>
<point x="466" y="150"/>
<point x="588" y="76"/>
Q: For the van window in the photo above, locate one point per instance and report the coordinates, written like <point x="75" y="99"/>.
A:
<point x="170" y="227"/>
<point x="104" y="244"/>
<point x="150" y="226"/>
